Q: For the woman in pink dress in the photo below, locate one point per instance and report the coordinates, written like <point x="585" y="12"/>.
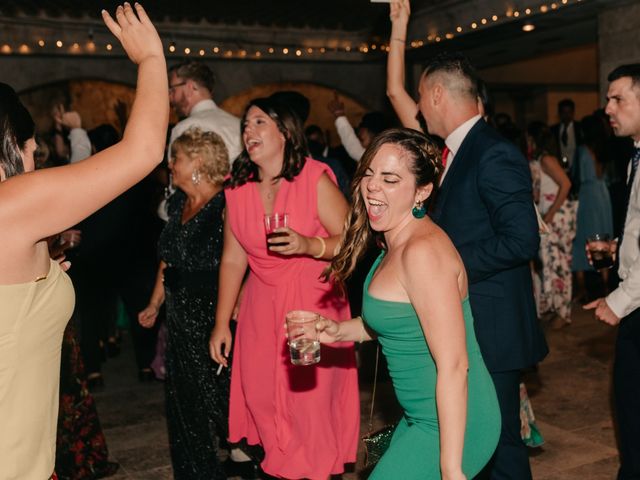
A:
<point x="305" y="417"/>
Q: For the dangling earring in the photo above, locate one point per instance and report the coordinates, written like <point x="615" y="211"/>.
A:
<point x="419" y="210"/>
<point x="195" y="176"/>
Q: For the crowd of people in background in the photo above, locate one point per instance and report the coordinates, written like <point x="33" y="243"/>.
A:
<point x="474" y="229"/>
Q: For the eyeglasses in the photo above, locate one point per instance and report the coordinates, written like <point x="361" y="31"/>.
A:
<point x="176" y="85"/>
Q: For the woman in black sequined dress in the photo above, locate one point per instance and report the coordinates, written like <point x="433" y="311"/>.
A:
<point x="190" y="248"/>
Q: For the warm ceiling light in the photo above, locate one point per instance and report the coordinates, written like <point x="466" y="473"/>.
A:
<point x="201" y="52"/>
<point x="285" y="51"/>
<point x="483" y="21"/>
<point x="109" y="47"/>
<point x="554" y="6"/>
<point x="187" y="51"/>
<point x="528" y="11"/>
<point x="172" y="47"/>
<point x="258" y="54"/>
<point x="298" y="53"/>
<point x="216" y="49"/>
<point x="544" y="9"/>
<point x="516" y="14"/>
<point x="528" y="27"/>
<point x="5" y="48"/>
<point x="458" y="29"/>
<point x="24" y="48"/>
<point x="347" y="48"/>
<point x="494" y="18"/>
<point x="309" y="50"/>
<point x="322" y="50"/>
<point x="449" y="36"/>
<point x="59" y="43"/>
<point x="271" y="50"/>
<point x="474" y="25"/>
<point x="41" y="43"/>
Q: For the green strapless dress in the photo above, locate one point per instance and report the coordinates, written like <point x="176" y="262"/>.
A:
<point x="414" y="452"/>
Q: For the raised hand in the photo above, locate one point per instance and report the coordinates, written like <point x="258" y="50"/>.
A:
<point x="399" y="11"/>
<point x="136" y="33"/>
<point x="336" y="106"/>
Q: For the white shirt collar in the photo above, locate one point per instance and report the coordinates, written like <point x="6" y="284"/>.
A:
<point x="203" y="105"/>
<point x="636" y="144"/>
<point x="455" y="138"/>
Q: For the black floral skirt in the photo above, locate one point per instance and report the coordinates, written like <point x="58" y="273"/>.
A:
<point x="81" y="449"/>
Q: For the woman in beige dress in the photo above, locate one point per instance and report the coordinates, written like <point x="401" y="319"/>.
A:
<point x="35" y="294"/>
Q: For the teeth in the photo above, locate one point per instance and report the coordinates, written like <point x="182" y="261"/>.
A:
<point x="375" y="203"/>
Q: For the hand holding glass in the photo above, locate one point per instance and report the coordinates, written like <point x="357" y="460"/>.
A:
<point x="273" y="222"/>
<point x="304" y="345"/>
<point x="599" y="251"/>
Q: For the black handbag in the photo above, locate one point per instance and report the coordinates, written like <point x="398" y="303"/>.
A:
<point x="376" y="442"/>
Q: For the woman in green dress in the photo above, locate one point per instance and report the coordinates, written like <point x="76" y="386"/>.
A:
<point x="416" y="302"/>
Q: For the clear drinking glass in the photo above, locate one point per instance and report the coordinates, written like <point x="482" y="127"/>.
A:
<point x="274" y="221"/>
<point x="599" y="246"/>
<point x="304" y="346"/>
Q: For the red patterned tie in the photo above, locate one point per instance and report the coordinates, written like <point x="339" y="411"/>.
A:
<point x="445" y="154"/>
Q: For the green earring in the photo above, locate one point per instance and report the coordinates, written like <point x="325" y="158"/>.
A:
<point x="419" y="210"/>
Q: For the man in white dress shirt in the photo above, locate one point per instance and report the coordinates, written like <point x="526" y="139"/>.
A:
<point x="622" y="306"/>
<point x="190" y="93"/>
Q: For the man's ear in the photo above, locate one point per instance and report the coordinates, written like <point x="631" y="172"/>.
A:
<point x="437" y="93"/>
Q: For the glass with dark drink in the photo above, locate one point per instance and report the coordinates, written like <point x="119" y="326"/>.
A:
<point x="599" y="246"/>
<point x="273" y="222"/>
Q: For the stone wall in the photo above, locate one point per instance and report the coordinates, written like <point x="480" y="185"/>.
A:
<point x="618" y="34"/>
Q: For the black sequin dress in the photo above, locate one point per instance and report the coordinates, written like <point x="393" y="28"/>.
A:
<point x="196" y="398"/>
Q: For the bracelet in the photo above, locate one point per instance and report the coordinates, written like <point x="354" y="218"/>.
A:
<point x="324" y="247"/>
<point x="398" y="39"/>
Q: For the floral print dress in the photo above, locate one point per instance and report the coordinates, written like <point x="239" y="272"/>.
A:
<point x="554" y="292"/>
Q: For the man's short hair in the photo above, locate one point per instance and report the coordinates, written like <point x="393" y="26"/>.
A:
<point x="455" y="65"/>
<point x="566" y="103"/>
<point x="195" y="71"/>
<point x="632" y="70"/>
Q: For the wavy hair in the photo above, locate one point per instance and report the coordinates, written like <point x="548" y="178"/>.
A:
<point x="16" y="127"/>
<point x="210" y="147"/>
<point x="295" y="147"/>
<point x="423" y="155"/>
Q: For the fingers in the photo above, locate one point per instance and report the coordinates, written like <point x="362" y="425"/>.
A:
<point x="129" y="14"/>
<point x="111" y="24"/>
<point x="591" y="305"/>
<point x="142" y="14"/>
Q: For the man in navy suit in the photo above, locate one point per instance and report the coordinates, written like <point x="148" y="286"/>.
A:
<point x="485" y="205"/>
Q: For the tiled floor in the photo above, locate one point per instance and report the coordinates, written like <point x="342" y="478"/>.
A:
<point x="570" y="394"/>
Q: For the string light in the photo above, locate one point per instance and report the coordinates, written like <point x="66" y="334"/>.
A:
<point x="298" y="51"/>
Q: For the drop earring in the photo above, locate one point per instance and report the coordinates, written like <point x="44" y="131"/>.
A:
<point x="419" y="210"/>
<point x="195" y="176"/>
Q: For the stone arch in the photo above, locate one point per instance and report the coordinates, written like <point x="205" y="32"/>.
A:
<point x="95" y="100"/>
<point x="318" y="95"/>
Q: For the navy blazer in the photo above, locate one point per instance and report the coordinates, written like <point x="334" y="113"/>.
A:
<point x="485" y="205"/>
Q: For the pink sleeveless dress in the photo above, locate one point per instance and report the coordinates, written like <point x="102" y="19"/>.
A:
<point x="306" y="418"/>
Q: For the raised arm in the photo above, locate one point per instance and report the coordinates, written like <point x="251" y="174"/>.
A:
<point x="404" y="106"/>
<point x="42" y="203"/>
<point x="430" y="274"/>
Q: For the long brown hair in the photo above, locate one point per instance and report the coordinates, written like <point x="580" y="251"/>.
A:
<point x="424" y="162"/>
<point x="295" y="147"/>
